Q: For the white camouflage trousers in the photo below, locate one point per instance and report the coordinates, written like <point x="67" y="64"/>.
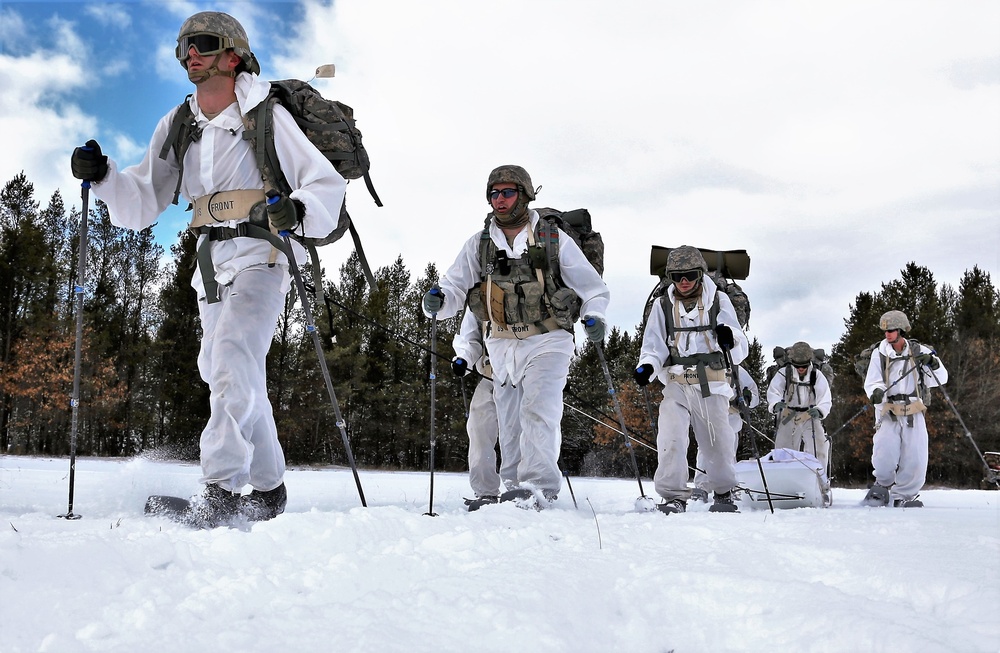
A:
<point x="239" y="445"/>
<point x="530" y="416"/>
<point x="700" y="477"/>
<point x="683" y="407"/>
<point x="899" y="455"/>
<point x="484" y="430"/>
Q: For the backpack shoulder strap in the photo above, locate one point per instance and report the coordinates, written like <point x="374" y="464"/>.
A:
<point x="547" y="233"/>
<point x="184" y="130"/>
<point x="258" y="128"/>
<point x="487" y="252"/>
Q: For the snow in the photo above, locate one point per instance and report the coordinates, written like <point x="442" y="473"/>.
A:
<point x="330" y="575"/>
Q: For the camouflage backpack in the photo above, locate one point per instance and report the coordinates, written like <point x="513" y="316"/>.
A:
<point x="328" y="124"/>
<point x="820" y="361"/>
<point x="723" y="268"/>
<point x="577" y="225"/>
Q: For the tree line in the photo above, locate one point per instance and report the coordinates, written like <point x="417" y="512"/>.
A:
<point x="141" y="393"/>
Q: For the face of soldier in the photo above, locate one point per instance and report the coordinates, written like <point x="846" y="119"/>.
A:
<point x="503" y="198"/>
<point x="685" y="281"/>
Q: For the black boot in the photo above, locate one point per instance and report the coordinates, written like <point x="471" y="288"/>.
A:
<point x="723" y="503"/>
<point x="672" y="506"/>
<point x="878" y="495"/>
<point x="261" y="506"/>
<point x="213" y="508"/>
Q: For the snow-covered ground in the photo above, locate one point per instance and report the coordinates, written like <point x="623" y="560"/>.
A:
<point x="329" y="575"/>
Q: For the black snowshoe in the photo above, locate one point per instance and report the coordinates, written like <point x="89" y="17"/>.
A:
<point x="878" y="495"/>
<point x="672" y="506"/>
<point x="214" y="507"/>
<point x="479" y="502"/>
<point x="723" y="503"/>
<point x="527" y="498"/>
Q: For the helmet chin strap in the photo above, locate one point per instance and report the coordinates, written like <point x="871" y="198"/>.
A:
<point x="212" y="71"/>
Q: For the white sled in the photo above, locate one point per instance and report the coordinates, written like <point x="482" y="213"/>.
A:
<point x="795" y="479"/>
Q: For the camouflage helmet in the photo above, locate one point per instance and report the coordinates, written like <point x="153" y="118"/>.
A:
<point x="509" y="174"/>
<point x="800" y="354"/>
<point x="684" y="258"/>
<point x="216" y="23"/>
<point x="894" y="320"/>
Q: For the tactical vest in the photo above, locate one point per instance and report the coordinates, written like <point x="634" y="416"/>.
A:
<point x="903" y="405"/>
<point x="792" y="382"/>
<point x="524" y="296"/>
<point x="713" y="360"/>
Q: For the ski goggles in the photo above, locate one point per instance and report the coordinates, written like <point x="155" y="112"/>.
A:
<point x="205" y="43"/>
<point x="506" y="192"/>
<point x="685" y="275"/>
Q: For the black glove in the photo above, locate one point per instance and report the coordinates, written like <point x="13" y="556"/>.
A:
<point x="778" y="407"/>
<point x="433" y="300"/>
<point x="595" y="327"/>
<point x="929" y="360"/>
<point x="814" y="413"/>
<point x="88" y="164"/>
<point x="643" y="374"/>
<point x="283" y="212"/>
<point x="877" y="395"/>
<point x="725" y="336"/>
<point x="459" y="367"/>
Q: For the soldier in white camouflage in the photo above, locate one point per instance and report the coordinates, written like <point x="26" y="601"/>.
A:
<point x="530" y="324"/>
<point x="799" y="397"/>
<point x="683" y="345"/>
<point x="900" y="374"/>
<point x="242" y="293"/>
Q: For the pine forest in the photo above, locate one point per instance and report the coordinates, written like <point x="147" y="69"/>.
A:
<point x="141" y="393"/>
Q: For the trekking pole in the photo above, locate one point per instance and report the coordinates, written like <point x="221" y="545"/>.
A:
<point x="760" y="433"/>
<point x="272" y="198"/>
<point x="613" y="429"/>
<point x="745" y="412"/>
<point x="812" y="423"/>
<point x="570" y="486"/>
<point x="631" y="437"/>
<point x="649" y="411"/>
<point x="850" y="419"/>
<point x="465" y="398"/>
<point x="991" y="475"/>
<point x="78" y="288"/>
<point x="643" y="503"/>
<point x="434" y="291"/>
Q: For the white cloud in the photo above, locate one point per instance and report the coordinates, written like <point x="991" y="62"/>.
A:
<point x="835" y="141"/>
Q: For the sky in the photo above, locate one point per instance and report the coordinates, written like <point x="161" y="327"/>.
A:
<point x="329" y="575"/>
<point x="834" y="141"/>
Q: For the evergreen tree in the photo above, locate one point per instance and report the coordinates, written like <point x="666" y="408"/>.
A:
<point x="180" y="397"/>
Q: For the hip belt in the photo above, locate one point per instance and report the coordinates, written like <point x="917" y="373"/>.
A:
<point x="523" y="330"/>
<point x="224" y="206"/>
<point x="691" y="376"/>
<point x="905" y="409"/>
